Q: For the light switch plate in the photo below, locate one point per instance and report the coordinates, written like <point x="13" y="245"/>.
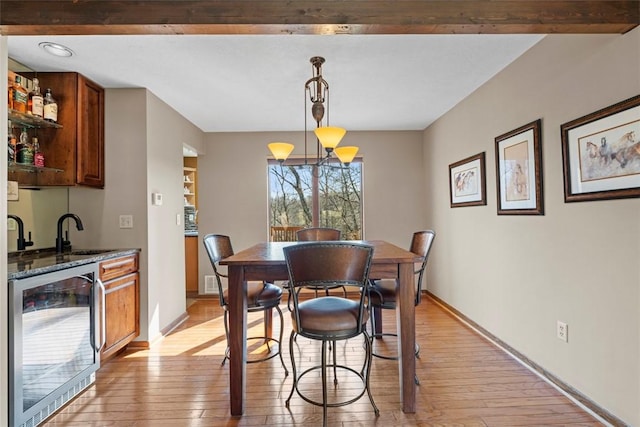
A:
<point x="126" y="221"/>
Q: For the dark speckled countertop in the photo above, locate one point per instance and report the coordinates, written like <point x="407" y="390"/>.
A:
<point x="34" y="262"/>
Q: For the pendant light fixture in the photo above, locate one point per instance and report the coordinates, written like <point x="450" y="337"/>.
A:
<point x="316" y="89"/>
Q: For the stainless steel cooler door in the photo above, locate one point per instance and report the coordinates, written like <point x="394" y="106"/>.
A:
<point x="53" y="336"/>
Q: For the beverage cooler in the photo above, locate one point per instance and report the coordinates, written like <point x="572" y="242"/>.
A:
<point x="54" y="341"/>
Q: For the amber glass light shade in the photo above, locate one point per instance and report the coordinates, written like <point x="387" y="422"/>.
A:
<point x="330" y="136"/>
<point x="280" y="150"/>
<point x="346" y="154"/>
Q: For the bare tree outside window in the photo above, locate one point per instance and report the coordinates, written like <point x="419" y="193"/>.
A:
<point x="303" y="196"/>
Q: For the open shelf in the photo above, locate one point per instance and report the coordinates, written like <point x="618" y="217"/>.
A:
<point x="18" y="167"/>
<point x="30" y="121"/>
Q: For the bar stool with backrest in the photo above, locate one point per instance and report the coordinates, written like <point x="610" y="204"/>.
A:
<point x="261" y="296"/>
<point x="330" y="318"/>
<point x="382" y="293"/>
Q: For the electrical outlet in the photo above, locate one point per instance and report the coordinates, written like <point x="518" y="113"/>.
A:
<point x="562" y="331"/>
<point x="126" y="221"/>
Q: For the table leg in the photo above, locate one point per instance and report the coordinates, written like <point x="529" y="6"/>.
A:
<point x="405" y="319"/>
<point x="377" y="320"/>
<point x="237" y="338"/>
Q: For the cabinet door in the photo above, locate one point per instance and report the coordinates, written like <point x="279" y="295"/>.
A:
<point x="122" y="313"/>
<point x="191" y="264"/>
<point x="90" y="134"/>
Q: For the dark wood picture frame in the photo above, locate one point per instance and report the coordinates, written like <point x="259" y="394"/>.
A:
<point x="601" y="153"/>
<point x="467" y="182"/>
<point x="519" y="170"/>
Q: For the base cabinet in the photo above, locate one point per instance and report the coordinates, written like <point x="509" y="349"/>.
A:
<point x="191" y="264"/>
<point x="121" y="304"/>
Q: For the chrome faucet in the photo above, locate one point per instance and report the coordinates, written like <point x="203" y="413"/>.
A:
<point x="22" y="243"/>
<point x="60" y="242"/>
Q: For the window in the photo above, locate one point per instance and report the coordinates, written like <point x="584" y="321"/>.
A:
<point x="303" y="196"/>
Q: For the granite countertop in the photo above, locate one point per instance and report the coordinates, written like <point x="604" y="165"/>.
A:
<point x="189" y="233"/>
<point x="29" y="263"/>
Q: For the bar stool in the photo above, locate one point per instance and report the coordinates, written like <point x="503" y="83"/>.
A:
<point x="261" y="296"/>
<point x="382" y="293"/>
<point x="330" y="318"/>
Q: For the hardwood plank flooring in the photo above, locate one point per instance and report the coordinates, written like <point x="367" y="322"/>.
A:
<point x="465" y="381"/>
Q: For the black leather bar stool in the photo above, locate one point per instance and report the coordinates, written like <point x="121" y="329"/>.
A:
<point x="330" y="318"/>
<point x="382" y="293"/>
<point x="261" y="296"/>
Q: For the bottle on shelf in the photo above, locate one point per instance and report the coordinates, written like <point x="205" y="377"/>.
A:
<point x="50" y="107"/>
<point x="24" y="151"/>
<point x="11" y="157"/>
<point x="35" y="104"/>
<point x="20" y="96"/>
<point x="10" y="93"/>
<point x="38" y="156"/>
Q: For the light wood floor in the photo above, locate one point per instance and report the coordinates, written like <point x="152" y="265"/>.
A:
<point x="465" y="381"/>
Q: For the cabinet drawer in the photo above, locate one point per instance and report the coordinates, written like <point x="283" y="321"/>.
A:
<point x="118" y="267"/>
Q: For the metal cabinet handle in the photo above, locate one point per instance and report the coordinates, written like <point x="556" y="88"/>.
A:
<point x="103" y="315"/>
<point x="112" y="265"/>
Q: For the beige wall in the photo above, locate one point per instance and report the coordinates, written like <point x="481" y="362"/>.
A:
<point x="232" y="186"/>
<point x="166" y="133"/>
<point x="143" y="151"/>
<point x="517" y="275"/>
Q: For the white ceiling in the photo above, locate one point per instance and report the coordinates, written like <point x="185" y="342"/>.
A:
<point x="228" y="83"/>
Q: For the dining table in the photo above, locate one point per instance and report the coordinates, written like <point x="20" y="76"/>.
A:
<point x="265" y="262"/>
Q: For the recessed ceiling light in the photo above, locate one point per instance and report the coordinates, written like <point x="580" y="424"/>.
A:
<point x="56" y="49"/>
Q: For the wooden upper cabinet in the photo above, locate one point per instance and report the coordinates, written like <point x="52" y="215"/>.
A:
<point x="78" y="147"/>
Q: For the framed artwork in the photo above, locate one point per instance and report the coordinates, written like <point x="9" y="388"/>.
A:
<point x="467" y="184"/>
<point x="601" y="153"/>
<point x="519" y="171"/>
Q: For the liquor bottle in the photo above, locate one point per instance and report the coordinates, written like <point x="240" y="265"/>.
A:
<point x="50" y="107"/>
<point x="35" y="104"/>
<point x="12" y="145"/>
<point x="24" y="151"/>
<point x="10" y="90"/>
<point x="20" y="96"/>
<point x="38" y="156"/>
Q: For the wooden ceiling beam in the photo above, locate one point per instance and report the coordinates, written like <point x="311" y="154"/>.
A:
<point x="71" y="17"/>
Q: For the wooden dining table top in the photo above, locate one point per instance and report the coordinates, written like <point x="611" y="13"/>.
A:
<point x="266" y="253"/>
